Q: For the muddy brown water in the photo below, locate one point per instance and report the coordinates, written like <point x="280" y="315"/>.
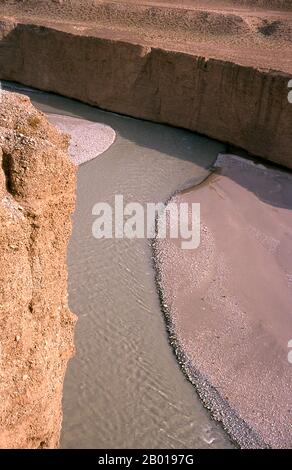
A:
<point x="124" y="388"/>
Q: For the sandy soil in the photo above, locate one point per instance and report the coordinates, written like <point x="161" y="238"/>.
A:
<point x="229" y="301"/>
<point x="251" y="33"/>
<point x="232" y="4"/>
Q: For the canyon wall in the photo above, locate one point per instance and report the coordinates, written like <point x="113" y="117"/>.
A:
<point x="37" y="195"/>
<point x="240" y="105"/>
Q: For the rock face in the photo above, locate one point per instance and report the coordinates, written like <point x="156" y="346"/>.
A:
<point x="37" y="187"/>
<point x="246" y="106"/>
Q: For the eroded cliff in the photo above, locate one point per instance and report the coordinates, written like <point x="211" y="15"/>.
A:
<point x="37" y="196"/>
<point x="242" y="100"/>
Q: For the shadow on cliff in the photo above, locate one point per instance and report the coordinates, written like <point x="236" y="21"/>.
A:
<point x="180" y="144"/>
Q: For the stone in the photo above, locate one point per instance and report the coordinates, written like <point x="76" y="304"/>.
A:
<point x="37" y="197"/>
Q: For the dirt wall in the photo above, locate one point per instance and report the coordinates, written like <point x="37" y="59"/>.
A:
<point x="37" y="195"/>
<point x="244" y="106"/>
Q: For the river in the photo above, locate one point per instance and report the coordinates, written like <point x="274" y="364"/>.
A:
<point x="124" y="388"/>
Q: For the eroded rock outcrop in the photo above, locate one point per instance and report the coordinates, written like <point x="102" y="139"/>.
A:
<point x="37" y="187"/>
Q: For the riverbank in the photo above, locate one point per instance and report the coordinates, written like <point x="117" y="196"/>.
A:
<point x="228" y="303"/>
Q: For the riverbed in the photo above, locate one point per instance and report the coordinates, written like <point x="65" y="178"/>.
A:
<point x="125" y="388"/>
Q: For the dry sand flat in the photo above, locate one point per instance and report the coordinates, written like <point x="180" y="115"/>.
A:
<point x="229" y="301"/>
<point x="244" y="31"/>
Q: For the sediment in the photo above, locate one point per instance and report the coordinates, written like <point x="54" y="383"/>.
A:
<point x="37" y="196"/>
<point x="220" y="73"/>
<point x="234" y="294"/>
